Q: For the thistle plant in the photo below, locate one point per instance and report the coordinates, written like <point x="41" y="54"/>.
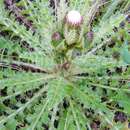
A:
<point x="65" y="67"/>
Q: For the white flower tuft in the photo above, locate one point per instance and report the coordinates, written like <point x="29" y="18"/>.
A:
<point x="74" y="18"/>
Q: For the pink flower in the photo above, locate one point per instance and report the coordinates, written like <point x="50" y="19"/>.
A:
<point x="74" y="18"/>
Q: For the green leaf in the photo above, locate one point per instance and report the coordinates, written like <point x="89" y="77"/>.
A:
<point x="11" y="124"/>
<point x="125" y="53"/>
<point x="57" y="91"/>
<point x="39" y="58"/>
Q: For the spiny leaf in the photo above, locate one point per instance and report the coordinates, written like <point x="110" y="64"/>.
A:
<point x="125" y="53"/>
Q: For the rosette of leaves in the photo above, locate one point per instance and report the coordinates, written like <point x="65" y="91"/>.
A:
<point x="57" y="86"/>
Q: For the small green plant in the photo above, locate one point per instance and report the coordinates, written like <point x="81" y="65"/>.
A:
<point x="64" y="68"/>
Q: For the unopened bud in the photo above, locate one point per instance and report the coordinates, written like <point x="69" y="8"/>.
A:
<point x="56" y="36"/>
<point x="90" y="36"/>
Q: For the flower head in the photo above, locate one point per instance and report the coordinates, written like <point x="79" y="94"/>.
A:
<point x="56" y="36"/>
<point x="90" y="36"/>
<point x="74" y="18"/>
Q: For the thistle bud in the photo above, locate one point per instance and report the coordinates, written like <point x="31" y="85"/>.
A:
<point x="56" y="36"/>
<point x="73" y="18"/>
<point x="90" y="36"/>
<point x="128" y="18"/>
<point x="71" y="36"/>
